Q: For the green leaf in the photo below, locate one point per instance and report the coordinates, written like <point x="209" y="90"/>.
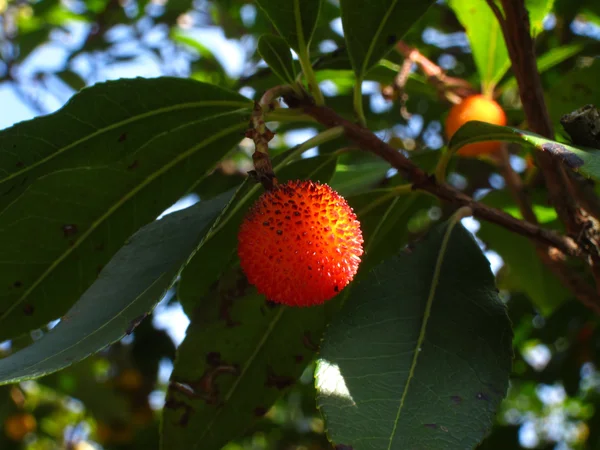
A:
<point x="548" y="60"/>
<point x="524" y="271"/>
<point x="575" y="89"/>
<point x="239" y="355"/>
<point x="371" y="29"/>
<point x="127" y="116"/>
<point x="295" y="20"/>
<point x="357" y="171"/>
<point x="580" y="159"/>
<point x="216" y="252"/>
<point x="388" y="219"/>
<point x="278" y="57"/>
<point x="126" y="291"/>
<point x="420" y="355"/>
<point x="128" y="168"/>
<point x="486" y="39"/>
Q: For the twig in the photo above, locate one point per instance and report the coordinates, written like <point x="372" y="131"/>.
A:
<point x="450" y="88"/>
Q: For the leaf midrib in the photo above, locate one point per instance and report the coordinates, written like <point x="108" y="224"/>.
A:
<point x="286" y="74"/>
<point x="100" y="131"/>
<point x="432" y="291"/>
<point x="386" y="16"/>
<point x="147" y="181"/>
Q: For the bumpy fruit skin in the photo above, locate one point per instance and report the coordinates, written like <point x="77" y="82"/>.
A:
<point x="475" y="107"/>
<point x="300" y="244"/>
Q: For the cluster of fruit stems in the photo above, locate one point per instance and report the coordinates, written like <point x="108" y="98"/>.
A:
<point x="551" y="247"/>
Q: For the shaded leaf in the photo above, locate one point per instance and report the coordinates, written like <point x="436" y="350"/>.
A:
<point x="143" y="145"/>
<point x="576" y="89"/>
<point x="240" y="354"/>
<point x="523" y="271"/>
<point x="371" y="29"/>
<point x="125" y="292"/>
<point x="278" y="57"/>
<point x="420" y="355"/>
<point x="581" y="159"/>
<point x="295" y="20"/>
<point x="548" y="60"/>
<point x="387" y="220"/>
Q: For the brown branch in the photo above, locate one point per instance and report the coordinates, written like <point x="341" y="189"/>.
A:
<point x="517" y="35"/>
<point x="450" y="88"/>
<point x="550" y="257"/>
<point x="421" y="180"/>
<point x="563" y="194"/>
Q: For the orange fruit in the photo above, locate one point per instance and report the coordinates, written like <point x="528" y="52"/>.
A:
<point x="18" y="426"/>
<point x="300" y="244"/>
<point x="475" y="107"/>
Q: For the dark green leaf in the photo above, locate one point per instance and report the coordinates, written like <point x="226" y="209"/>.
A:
<point x="420" y="355"/>
<point x="357" y="171"/>
<point x="372" y="28"/>
<point x="575" y="89"/>
<point x="295" y="20"/>
<point x="143" y="145"/>
<point x="239" y="355"/>
<point x="128" y="116"/>
<point x="523" y="270"/>
<point x="548" y="60"/>
<point x="125" y="292"/>
<point x="278" y="57"/>
<point x="581" y="159"/>
<point x="387" y="220"/>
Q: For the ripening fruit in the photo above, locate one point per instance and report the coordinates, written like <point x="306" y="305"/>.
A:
<point x="19" y="425"/>
<point x="300" y="244"/>
<point x="475" y="107"/>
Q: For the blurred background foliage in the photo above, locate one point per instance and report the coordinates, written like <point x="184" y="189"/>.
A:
<point x="49" y="49"/>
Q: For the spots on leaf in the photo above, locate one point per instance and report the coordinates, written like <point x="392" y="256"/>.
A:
<point x="17" y="284"/>
<point x="134" y="165"/>
<point x="456" y="399"/>
<point x="260" y="411"/>
<point x="28" y="309"/>
<point x="69" y="230"/>
<point x="278" y="381"/>
<point x="482" y="396"/>
<point x="567" y="157"/>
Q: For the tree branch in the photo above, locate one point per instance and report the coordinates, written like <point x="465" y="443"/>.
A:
<point x="421" y="180"/>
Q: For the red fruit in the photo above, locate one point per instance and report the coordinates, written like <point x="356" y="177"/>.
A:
<point x="300" y="244"/>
